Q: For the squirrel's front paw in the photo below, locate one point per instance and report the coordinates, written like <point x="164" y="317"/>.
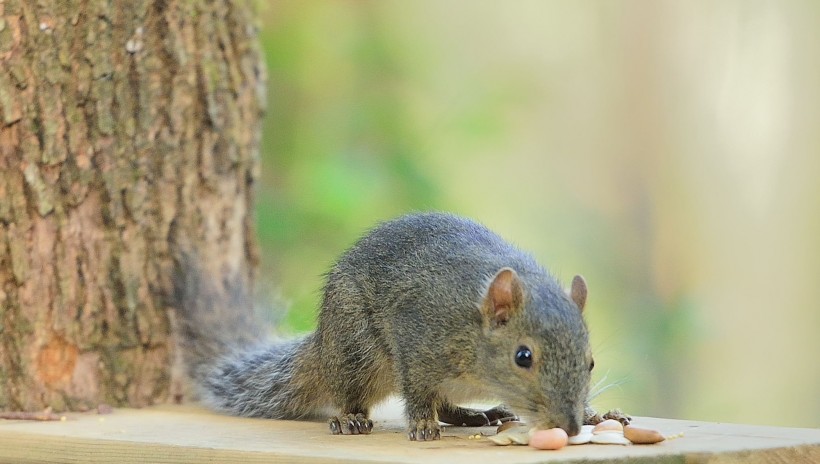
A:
<point x="424" y="430"/>
<point x="500" y="414"/>
<point x="350" y="424"/>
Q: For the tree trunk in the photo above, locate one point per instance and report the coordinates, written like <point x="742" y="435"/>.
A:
<point x="126" y="129"/>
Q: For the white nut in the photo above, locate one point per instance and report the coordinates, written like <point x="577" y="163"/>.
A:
<point x="500" y="439"/>
<point x="585" y="436"/>
<point x="609" y="425"/>
<point x="511" y="436"/>
<point x="580" y="439"/>
<point x="610" y="438"/>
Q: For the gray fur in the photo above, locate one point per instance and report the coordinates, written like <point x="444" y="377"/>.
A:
<point x="403" y="312"/>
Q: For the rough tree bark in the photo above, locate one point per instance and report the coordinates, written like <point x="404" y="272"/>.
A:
<point x="126" y="128"/>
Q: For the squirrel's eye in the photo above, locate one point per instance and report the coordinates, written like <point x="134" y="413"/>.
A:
<point x="591" y="364"/>
<point x="523" y="357"/>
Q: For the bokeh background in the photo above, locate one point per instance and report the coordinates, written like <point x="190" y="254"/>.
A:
<point x="666" y="150"/>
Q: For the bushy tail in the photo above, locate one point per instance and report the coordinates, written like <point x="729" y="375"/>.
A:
<point x="274" y="380"/>
<point x="226" y="353"/>
<point x="214" y="315"/>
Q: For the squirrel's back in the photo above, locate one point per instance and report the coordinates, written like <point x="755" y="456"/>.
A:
<point x="431" y="241"/>
<point x="434" y="256"/>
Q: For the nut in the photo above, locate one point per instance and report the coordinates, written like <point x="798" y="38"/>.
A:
<point x="641" y="436"/>
<point x="585" y="436"/>
<point x="609" y="425"/>
<point x="551" y="439"/>
<point x="610" y="438"/>
<point x="508" y="425"/>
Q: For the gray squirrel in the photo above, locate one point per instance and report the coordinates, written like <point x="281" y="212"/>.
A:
<point x="431" y="306"/>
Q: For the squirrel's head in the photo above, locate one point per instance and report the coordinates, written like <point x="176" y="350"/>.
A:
<point x="537" y="347"/>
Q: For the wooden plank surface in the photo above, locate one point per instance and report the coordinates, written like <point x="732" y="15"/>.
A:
<point x="175" y="434"/>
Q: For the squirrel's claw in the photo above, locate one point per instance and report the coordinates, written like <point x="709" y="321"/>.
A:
<point x="365" y="424"/>
<point x="350" y="424"/>
<point x="335" y="427"/>
<point x="424" y="430"/>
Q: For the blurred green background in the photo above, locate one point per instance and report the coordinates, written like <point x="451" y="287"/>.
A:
<point x="666" y="150"/>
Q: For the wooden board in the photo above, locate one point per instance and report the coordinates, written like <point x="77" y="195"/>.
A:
<point x="175" y="434"/>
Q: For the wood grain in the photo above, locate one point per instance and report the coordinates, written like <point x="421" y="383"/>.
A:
<point x="176" y="434"/>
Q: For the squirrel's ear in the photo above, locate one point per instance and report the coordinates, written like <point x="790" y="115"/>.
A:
<point x="504" y="296"/>
<point x="578" y="292"/>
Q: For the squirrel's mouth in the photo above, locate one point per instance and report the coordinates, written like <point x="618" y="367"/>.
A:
<point x="572" y="428"/>
<point x="544" y="417"/>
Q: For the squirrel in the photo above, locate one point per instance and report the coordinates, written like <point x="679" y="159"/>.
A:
<point x="432" y="306"/>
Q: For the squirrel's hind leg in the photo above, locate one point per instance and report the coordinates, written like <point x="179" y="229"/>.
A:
<point x="469" y="417"/>
<point x="354" y="419"/>
<point x="355" y="394"/>
<point x="422" y="422"/>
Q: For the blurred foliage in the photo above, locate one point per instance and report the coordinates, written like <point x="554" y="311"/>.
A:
<point x="340" y="149"/>
<point x="666" y="150"/>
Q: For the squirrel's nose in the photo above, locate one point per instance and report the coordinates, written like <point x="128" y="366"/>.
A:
<point x="572" y="428"/>
<point x="572" y="424"/>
